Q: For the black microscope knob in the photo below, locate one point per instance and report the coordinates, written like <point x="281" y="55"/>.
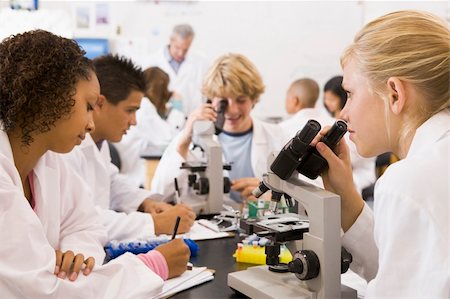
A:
<point x="226" y="185"/>
<point x="305" y="265"/>
<point x="202" y="186"/>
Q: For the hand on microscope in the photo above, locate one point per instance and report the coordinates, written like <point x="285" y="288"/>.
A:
<point x="204" y="112"/>
<point x="338" y="179"/>
<point x="245" y="186"/>
<point x="164" y="221"/>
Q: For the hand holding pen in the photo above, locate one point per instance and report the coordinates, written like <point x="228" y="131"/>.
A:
<point x="164" y="221"/>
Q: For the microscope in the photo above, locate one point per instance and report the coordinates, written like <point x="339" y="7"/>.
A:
<point x="315" y="269"/>
<point x="206" y="178"/>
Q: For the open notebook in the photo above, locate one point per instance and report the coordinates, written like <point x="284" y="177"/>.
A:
<point x="188" y="279"/>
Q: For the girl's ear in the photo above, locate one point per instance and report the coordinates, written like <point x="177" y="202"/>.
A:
<point x="101" y="101"/>
<point x="397" y="94"/>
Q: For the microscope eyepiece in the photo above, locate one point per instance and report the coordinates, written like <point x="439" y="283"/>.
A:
<point x="309" y="131"/>
<point x="290" y="156"/>
<point x="336" y="132"/>
<point x="313" y="164"/>
<point x="221" y="109"/>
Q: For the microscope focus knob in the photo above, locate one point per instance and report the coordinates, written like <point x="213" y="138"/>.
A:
<point x="191" y="179"/>
<point x="202" y="186"/>
<point x="305" y="265"/>
<point x="272" y="252"/>
<point x="226" y="185"/>
<point x="346" y="260"/>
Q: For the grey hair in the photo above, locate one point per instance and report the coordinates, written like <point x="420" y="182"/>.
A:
<point x="184" y="31"/>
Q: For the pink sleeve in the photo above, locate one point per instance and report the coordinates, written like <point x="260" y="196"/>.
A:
<point x="156" y="262"/>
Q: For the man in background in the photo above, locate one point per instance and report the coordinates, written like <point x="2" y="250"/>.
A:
<point x="185" y="69"/>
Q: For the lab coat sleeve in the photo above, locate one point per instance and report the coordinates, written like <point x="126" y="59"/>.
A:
<point x="412" y="241"/>
<point x="81" y="230"/>
<point x="28" y="261"/>
<point x="124" y="196"/>
<point x="148" y="120"/>
<point x="359" y="241"/>
<point x="151" y="134"/>
<point x="168" y="169"/>
<point x="127" y="227"/>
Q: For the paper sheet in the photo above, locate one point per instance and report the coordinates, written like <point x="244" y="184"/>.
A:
<point x="188" y="279"/>
<point x="205" y="230"/>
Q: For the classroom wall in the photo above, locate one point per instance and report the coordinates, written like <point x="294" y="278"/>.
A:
<point x="286" y="40"/>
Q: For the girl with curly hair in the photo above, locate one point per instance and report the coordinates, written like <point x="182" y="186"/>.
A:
<point x="48" y="90"/>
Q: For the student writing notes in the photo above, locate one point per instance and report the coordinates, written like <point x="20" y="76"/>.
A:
<point x="128" y="212"/>
<point x="48" y="90"/>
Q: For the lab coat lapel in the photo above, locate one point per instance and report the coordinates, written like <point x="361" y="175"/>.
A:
<point x="98" y="172"/>
<point x="5" y="149"/>
<point x="42" y="183"/>
<point x="260" y="147"/>
<point x="46" y="181"/>
<point x="167" y="67"/>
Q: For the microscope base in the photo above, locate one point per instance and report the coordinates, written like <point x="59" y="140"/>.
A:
<point x="259" y="282"/>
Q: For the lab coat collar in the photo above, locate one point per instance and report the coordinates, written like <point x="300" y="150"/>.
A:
<point x="307" y="113"/>
<point x="259" y="136"/>
<point x="44" y="173"/>
<point x="8" y="165"/>
<point x="435" y="128"/>
<point x="6" y="150"/>
<point x="91" y="150"/>
<point x="5" y="146"/>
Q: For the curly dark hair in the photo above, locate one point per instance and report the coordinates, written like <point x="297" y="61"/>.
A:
<point x="118" y="77"/>
<point x="38" y="76"/>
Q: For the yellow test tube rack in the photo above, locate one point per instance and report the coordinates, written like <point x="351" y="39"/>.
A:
<point x="255" y="254"/>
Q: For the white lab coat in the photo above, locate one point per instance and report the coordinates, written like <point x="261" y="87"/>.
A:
<point x="363" y="168"/>
<point x="266" y="139"/>
<point x="151" y="134"/>
<point x="405" y="252"/>
<point x="115" y="199"/>
<point x="188" y="81"/>
<point x="64" y="219"/>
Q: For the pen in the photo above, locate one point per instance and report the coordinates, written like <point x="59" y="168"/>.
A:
<point x="175" y="229"/>
<point x="177" y="191"/>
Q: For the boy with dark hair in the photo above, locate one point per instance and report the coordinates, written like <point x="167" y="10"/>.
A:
<point x="122" y="86"/>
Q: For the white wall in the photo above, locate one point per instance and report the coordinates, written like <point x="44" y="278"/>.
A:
<point x="286" y="40"/>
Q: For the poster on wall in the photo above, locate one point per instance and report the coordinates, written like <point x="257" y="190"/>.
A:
<point x="92" y="19"/>
<point x="83" y="17"/>
<point x="102" y="14"/>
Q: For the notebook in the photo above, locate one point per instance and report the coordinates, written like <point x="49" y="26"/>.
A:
<point x="188" y="279"/>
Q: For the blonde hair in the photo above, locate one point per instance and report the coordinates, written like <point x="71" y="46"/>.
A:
<point x="413" y="46"/>
<point x="307" y="90"/>
<point x="233" y="75"/>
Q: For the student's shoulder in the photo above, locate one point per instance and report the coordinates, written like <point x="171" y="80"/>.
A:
<point x="270" y="129"/>
<point x="417" y="177"/>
